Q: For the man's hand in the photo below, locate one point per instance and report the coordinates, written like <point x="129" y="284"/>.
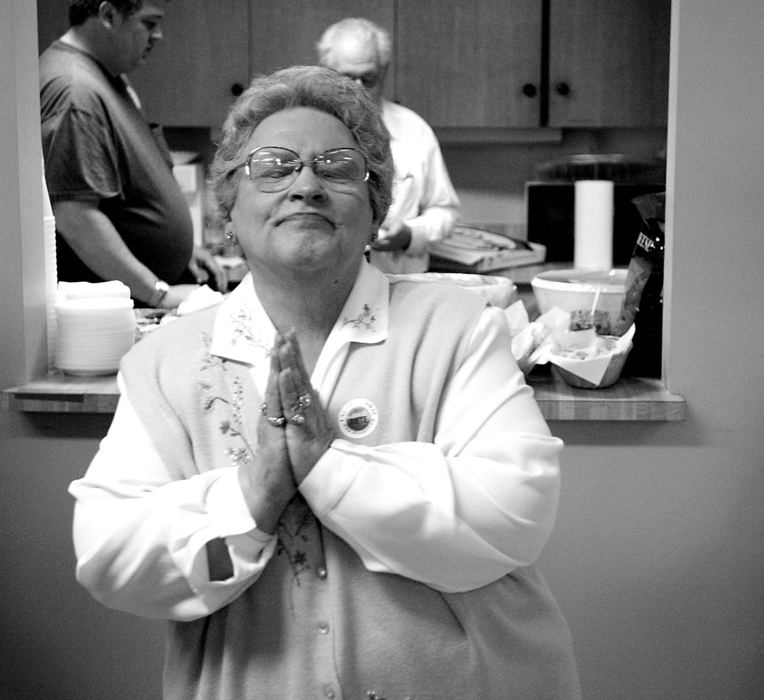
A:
<point x="206" y="271"/>
<point x="396" y="237"/>
<point x="176" y="295"/>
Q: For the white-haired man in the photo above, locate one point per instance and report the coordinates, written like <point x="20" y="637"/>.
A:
<point x="425" y="206"/>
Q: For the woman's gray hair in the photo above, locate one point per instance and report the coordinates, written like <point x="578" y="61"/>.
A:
<point x="303" y="86"/>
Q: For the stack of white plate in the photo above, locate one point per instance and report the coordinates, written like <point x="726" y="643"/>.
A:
<point x="92" y="334"/>
<point x="88" y="290"/>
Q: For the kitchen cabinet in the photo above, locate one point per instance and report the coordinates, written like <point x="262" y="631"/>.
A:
<point x="212" y="51"/>
<point x="608" y="63"/>
<point x="285" y="34"/>
<point x="526" y="63"/>
<point x="193" y="74"/>
<point x="52" y="22"/>
<point x="486" y="64"/>
<point x="189" y="77"/>
<point x="474" y="64"/>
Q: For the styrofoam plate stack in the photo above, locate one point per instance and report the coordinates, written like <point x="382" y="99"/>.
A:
<point x="93" y="333"/>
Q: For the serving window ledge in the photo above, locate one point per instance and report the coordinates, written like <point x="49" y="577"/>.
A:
<point x="630" y="399"/>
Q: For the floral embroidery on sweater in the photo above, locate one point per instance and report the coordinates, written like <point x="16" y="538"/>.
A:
<point x="241" y="323"/>
<point x="231" y="424"/>
<point x="295" y="528"/>
<point x="298" y="527"/>
<point x="366" y="319"/>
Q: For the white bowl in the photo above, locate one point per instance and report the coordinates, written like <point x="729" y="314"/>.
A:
<point x="575" y="291"/>
<point x="499" y="291"/>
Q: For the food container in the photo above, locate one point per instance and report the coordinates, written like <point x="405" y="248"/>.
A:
<point x="595" y="372"/>
<point x="580" y="291"/>
<point x="499" y="291"/>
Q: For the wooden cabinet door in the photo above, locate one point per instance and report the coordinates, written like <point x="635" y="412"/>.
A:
<point x="52" y="21"/>
<point x="189" y="77"/>
<point x="608" y="63"/>
<point x="471" y="63"/>
<point x="285" y="33"/>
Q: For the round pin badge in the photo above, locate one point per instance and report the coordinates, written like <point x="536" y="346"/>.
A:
<point x="358" y="418"/>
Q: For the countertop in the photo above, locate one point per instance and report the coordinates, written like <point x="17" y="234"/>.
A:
<point x="630" y="399"/>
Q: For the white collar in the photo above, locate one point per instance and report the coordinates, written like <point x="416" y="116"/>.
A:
<point x="244" y="332"/>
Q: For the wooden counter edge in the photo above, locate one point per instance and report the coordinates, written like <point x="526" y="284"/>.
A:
<point x="631" y="399"/>
<point x="61" y="393"/>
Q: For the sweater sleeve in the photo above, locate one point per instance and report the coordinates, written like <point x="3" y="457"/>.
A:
<point x="140" y="534"/>
<point x="468" y="508"/>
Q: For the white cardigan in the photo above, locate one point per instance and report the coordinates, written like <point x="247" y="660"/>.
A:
<point x="421" y="508"/>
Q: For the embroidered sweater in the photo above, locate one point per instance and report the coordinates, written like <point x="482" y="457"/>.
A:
<point x="324" y="617"/>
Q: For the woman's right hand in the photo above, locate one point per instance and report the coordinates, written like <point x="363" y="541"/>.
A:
<point x="266" y="480"/>
<point x="293" y="432"/>
<point x="309" y="431"/>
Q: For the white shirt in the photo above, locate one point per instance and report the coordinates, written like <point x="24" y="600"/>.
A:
<point x="484" y="504"/>
<point x="423" y="195"/>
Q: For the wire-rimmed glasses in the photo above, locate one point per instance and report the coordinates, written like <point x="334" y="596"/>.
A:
<point x="274" y="168"/>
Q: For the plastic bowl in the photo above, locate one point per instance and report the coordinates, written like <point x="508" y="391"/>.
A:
<point x="574" y="291"/>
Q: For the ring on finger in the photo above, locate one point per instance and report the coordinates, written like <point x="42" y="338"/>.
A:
<point x="296" y="419"/>
<point x="275" y="421"/>
<point x="303" y="401"/>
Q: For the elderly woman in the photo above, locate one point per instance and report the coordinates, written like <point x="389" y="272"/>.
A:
<point x="335" y="483"/>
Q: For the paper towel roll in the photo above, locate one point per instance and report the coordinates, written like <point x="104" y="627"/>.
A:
<point x="593" y="225"/>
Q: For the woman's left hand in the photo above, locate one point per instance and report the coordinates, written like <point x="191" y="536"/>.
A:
<point x="308" y="430"/>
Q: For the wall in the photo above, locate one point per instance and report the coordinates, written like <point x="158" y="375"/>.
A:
<point x="490" y="178"/>
<point x="657" y="558"/>
<point x="56" y="642"/>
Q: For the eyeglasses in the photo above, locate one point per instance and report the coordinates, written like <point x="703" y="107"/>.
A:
<point x="272" y="168"/>
<point x="367" y="80"/>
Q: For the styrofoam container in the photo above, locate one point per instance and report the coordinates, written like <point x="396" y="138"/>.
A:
<point x="576" y="291"/>
<point x="611" y="376"/>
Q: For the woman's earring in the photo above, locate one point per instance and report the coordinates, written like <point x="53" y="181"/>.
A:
<point x="229" y="235"/>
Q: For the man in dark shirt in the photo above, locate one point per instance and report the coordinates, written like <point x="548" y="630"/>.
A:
<point x="119" y="212"/>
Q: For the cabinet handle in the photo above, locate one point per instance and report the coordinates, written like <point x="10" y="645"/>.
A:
<point x="237" y="89"/>
<point x="529" y="90"/>
<point x="562" y="89"/>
